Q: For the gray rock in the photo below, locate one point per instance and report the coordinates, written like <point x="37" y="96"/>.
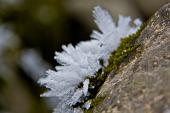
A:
<point x="143" y="84"/>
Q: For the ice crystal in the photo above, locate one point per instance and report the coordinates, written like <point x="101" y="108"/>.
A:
<point x="31" y="61"/>
<point x="85" y="87"/>
<point x="82" y="61"/>
<point x="87" y="105"/>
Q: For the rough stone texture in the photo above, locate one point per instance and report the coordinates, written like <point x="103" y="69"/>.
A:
<point x="143" y="84"/>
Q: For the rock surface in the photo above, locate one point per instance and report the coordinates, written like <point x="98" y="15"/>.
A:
<point x="143" y="84"/>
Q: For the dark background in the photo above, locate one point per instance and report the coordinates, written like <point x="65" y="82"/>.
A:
<point x="45" y="25"/>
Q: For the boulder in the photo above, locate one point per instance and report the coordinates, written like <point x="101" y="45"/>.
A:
<point x="142" y="85"/>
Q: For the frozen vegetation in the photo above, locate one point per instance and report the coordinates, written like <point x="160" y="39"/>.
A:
<point x="77" y="63"/>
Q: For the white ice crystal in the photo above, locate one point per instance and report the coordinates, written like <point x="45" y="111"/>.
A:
<point x="82" y="61"/>
<point x="87" y="105"/>
<point x="85" y="87"/>
<point x="31" y="61"/>
<point x="110" y="34"/>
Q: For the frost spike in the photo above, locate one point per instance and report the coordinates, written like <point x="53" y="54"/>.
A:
<point x="103" y="19"/>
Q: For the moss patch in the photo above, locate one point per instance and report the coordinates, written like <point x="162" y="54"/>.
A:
<point x="125" y="49"/>
<point x="94" y="102"/>
<point x="127" y="46"/>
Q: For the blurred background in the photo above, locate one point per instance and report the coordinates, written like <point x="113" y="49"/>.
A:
<point x="32" y="30"/>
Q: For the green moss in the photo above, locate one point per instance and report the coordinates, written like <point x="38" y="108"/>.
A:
<point x="94" y="103"/>
<point x="127" y="46"/>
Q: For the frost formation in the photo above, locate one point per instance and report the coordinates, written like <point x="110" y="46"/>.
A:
<point x="31" y="61"/>
<point x="82" y="61"/>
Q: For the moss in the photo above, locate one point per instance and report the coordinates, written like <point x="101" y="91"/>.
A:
<point x="125" y="49"/>
<point x="94" y="103"/>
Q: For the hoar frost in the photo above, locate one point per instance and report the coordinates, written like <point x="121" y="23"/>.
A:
<point x="82" y="61"/>
<point x="31" y="61"/>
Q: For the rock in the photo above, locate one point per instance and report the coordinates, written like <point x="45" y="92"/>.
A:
<point x="143" y="84"/>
